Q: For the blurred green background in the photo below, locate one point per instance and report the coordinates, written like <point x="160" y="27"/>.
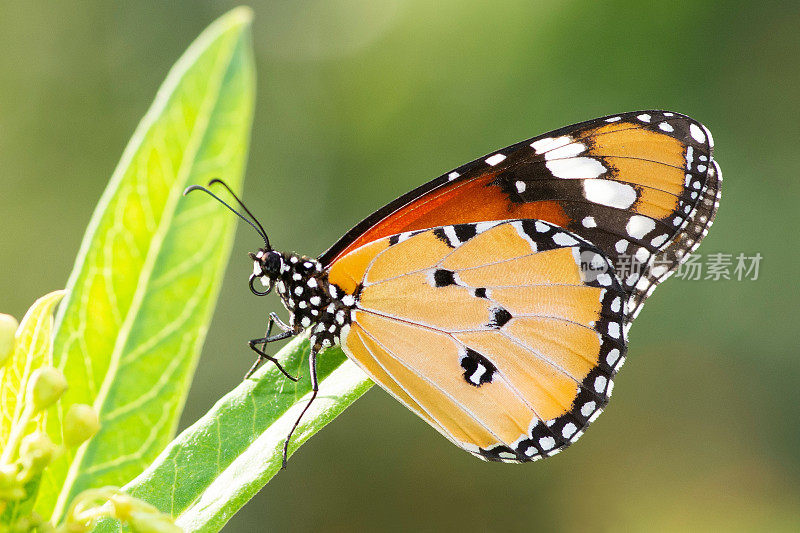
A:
<point x="360" y="101"/>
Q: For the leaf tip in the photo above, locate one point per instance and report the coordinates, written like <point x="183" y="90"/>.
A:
<point x="242" y="15"/>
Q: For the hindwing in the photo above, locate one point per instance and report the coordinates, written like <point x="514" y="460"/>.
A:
<point x="505" y="336"/>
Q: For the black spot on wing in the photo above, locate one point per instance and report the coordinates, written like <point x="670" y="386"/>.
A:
<point x="443" y="278"/>
<point x="499" y="317"/>
<point x="477" y="369"/>
<point x="464" y="232"/>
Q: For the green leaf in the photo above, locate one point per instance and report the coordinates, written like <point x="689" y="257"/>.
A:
<point x="150" y="266"/>
<point x="32" y="349"/>
<point x="215" y="466"/>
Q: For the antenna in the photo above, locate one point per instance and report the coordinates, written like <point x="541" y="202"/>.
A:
<point x="241" y="203"/>
<point x="259" y="229"/>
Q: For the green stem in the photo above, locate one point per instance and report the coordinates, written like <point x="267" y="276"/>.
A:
<point x="17" y="432"/>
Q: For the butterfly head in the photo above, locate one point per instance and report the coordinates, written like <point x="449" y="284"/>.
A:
<point x="267" y="267"/>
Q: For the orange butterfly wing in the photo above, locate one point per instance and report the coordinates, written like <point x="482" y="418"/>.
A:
<point x="504" y="336"/>
<point x="642" y="186"/>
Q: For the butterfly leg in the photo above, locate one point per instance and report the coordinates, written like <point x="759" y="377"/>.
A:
<point x="312" y="363"/>
<point x="262" y="356"/>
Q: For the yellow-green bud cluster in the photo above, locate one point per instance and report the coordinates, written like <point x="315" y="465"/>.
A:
<point x="109" y="502"/>
<point x="28" y="450"/>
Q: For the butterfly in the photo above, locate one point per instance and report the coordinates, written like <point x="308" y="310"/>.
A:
<point x="495" y="300"/>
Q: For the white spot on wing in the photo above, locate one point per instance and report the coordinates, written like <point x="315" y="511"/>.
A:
<point x="610" y="193"/>
<point x="710" y="138"/>
<point x="450" y="233"/>
<point x="576" y="168"/>
<point x="563" y="152"/>
<point x="697" y="133"/>
<point x="600" y="384"/>
<point x="517" y="225"/>
<point x="638" y="226"/>
<point x="452" y="176"/>
<point x="661" y="239"/>
<point x="495" y="159"/>
<point x="475" y="377"/>
<point x="404" y="236"/>
<point x="658" y="271"/>
<point x="480" y="227"/>
<point x="550" y="143"/>
<point x="563" y="239"/>
<point x="547" y="443"/>
<point x="612" y="357"/>
<point x="589" y="222"/>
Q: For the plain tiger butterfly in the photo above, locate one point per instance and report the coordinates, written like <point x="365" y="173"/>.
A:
<point x="492" y="301"/>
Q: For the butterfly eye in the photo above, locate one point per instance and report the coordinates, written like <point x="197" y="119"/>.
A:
<point x="272" y="264"/>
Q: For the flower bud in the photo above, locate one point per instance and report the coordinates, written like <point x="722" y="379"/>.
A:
<point x="141" y="516"/>
<point x="35" y="453"/>
<point x="80" y="424"/>
<point x="8" y="475"/>
<point x="143" y="522"/>
<point x="10" y="488"/>
<point x="46" y="386"/>
<point x="125" y="505"/>
<point x="8" y="326"/>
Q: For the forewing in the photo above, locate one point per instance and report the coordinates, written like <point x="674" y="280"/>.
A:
<point x="641" y="186"/>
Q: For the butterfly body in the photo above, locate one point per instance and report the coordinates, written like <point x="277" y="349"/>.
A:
<point x="312" y="301"/>
<point x="495" y="300"/>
